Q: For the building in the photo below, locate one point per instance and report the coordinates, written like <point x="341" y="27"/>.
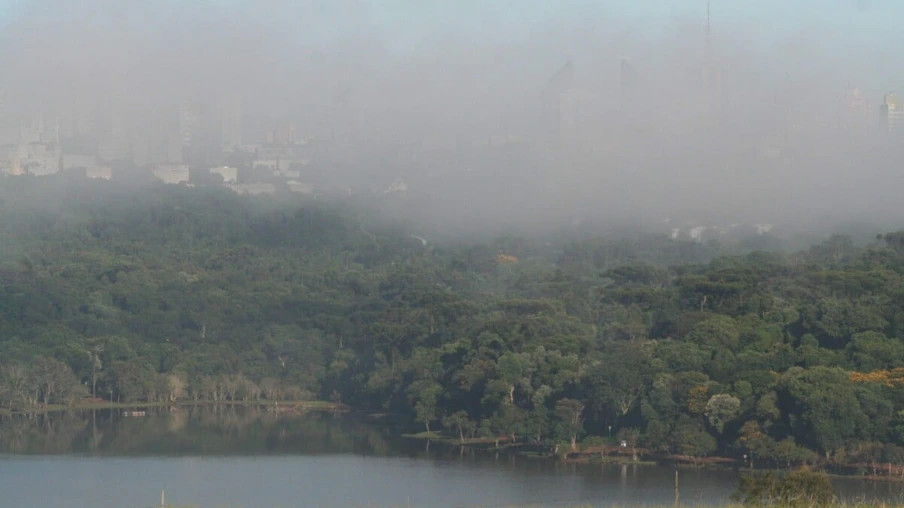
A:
<point x="114" y="147"/>
<point x="9" y="135"/>
<point x="84" y="119"/>
<point x="710" y="71"/>
<point x="171" y="173"/>
<point x="577" y="118"/>
<point x="855" y="110"/>
<point x="892" y="110"/>
<point x="561" y="83"/>
<point x="76" y="161"/>
<point x="282" y="135"/>
<point x="230" y="113"/>
<point x="253" y="188"/>
<point x="229" y="174"/>
<point x="9" y="160"/>
<point x="100" y="172"/>
<point x="40" y="159"/>
<point x="627" y="79"/>
<point x="300" y="187"/>
<point x="189" y="123"/>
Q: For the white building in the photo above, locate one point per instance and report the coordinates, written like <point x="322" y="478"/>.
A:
<point x="40" y="159"/>
<point x="9" y="160"/>
<point x="100" y="172"/>
<point x="253" y="188"/>
<point x="300" y="187"/>
<point x="893" y="113"/>
<point x="171" y="173"/>
<point x="229" y="174"/>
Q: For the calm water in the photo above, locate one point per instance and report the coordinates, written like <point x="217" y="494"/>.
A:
<point x="250" y="459"/>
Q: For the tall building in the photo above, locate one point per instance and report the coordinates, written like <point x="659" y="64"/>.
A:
<point x="711" y="71"/>
<point x="9" y="134"/>
<point x="84" y="119"/>
<point x="855" y="113"/>
<point x="189" y="122"/>
<point x="561" y="81"/>
<point x="160" y="141"/>
<point x="230" y="113"/>
<point x="892" y="110"/>
<point x="283" y="134"/>
<point x="578" y="122"/>
<point x="560" y="84"/>
<point x="628" y="79"/>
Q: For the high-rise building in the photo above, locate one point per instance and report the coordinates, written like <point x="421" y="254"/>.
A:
<point x="561" y="83"/>
<point x="855" y="113"/>
<point x="9" y="132"/>
<point x="84" y="121"/>
<point x="160" y="140"/>
<point x="230" y="113"/>
<point x="113" y="147"/>
<point x="189" y="123"/>
<point x="628" y="79"/>
<point x="892" y="110"/>
<point x="283" y="134"/>
<point x="711" y="72"/>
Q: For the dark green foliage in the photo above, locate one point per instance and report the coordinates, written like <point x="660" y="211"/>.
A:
<point x="800" y="488"/>
<point x="162" y="294"/>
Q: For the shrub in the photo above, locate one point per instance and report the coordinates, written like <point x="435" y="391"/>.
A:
<point x="800" y="488"/>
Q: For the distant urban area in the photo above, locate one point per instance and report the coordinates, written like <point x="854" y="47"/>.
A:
<point x="576" y="128"/>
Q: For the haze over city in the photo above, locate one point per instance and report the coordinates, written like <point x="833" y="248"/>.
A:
<point x="455" y="253"/>
<point x="529" y="114"/>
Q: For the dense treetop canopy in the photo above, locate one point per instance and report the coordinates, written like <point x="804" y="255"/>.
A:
<point x="159" y="293"/>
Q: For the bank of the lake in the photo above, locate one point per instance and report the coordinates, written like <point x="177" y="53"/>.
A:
<point x="237" y="456"/>
<point x="610" y="453"/>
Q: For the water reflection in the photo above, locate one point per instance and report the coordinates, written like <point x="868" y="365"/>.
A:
<point x="198" y="430"/>
<point x="238" y="456"/>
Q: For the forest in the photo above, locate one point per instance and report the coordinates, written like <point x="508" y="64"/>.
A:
<point x="163" y="294"/>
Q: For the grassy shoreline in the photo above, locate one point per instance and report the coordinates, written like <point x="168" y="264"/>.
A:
<point x="611" y="455"/>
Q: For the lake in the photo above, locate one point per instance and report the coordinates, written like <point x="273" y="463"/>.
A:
<point x="246" y="458"/>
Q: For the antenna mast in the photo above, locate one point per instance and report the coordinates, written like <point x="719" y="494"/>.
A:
<point x="709" y="31"/>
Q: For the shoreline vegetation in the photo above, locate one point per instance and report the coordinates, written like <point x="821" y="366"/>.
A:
<point x="615" y="454"/>
<point x="755" y="347"/>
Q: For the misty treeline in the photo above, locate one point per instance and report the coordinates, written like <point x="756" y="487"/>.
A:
<point x="169" y="294"/>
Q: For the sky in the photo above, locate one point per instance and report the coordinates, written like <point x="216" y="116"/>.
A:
<point x="382" y="75"/>
<point x="869" y="21"/>
<point x="866" y="28"/>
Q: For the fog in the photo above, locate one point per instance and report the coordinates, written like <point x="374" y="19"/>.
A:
<point x="647" y="119"/>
